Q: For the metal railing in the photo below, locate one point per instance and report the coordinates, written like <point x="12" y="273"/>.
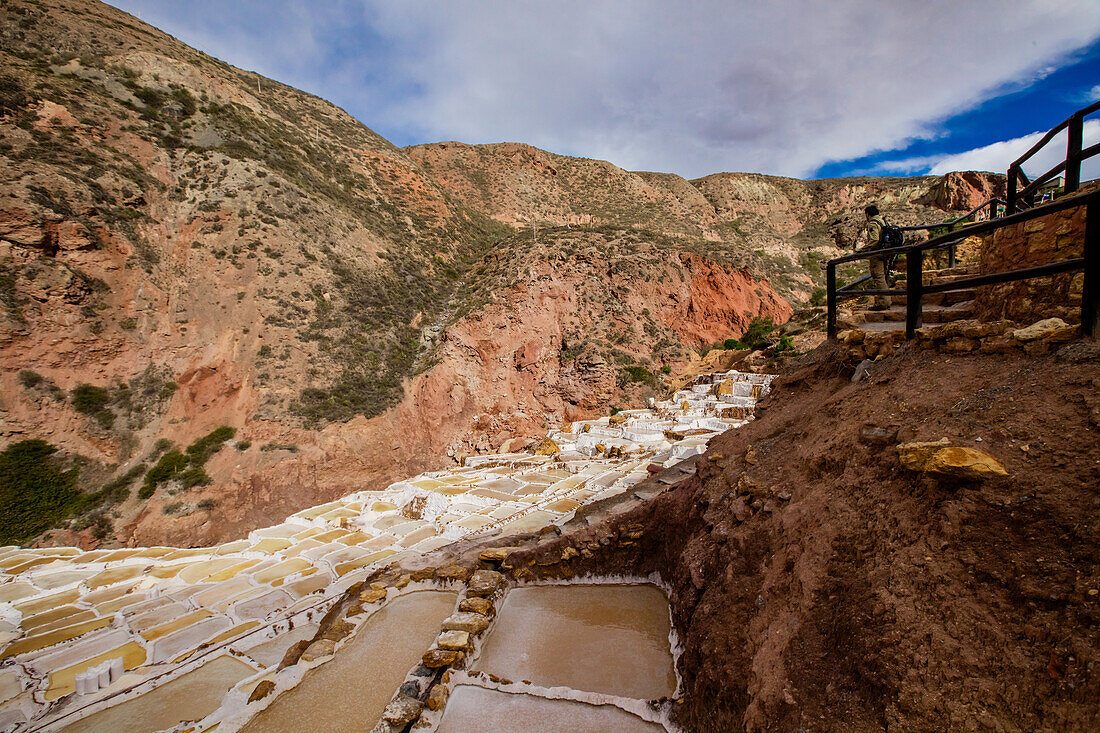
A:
<point x="915" y="289"/>
<point x="1019" y="198"/>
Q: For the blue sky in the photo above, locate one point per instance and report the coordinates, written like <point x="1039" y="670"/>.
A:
<point x="789" y="87"/>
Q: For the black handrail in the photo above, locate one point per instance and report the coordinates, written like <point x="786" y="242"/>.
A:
<point x="914" y="262"/>
<point x="1074" y="124"/>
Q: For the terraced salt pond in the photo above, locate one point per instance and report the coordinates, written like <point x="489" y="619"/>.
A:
<point x="192" y="696"/>
<point x="349" y="693"/>
<point x="153" y="613"/>
<point x="586" y="657"/>
<point x="611" y="639"/>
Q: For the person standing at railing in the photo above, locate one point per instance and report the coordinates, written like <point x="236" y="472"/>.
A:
<point x="871" y="239"/>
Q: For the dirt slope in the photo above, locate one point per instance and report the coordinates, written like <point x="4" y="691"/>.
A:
<point x="818" y="585"/>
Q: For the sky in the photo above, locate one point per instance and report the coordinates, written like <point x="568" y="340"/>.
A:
<point x="802" y="88"/>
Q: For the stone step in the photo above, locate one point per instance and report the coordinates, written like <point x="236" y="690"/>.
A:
<point x="946" y="314"/>
<point x="949" y="298"/>
<point x="929" y="314"/>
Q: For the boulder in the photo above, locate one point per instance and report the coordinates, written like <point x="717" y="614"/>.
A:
<point x="402" y="710"/>
<point x="547" y="448"/>
<point x="483" y="583"/>
<point x="318" y="649"/>
<point x="473" y="623"/>
<point x="436" y="658"/>
<point x="437" y="698"/>
<point x="915" y="455"/>
<point x="262" y="690"/>
<point x="965" y="464"/>
<point x="339" y="629"/>
<point x="453" y="640"/>
<point x="374" y="595"/>
<point x="1040" y="329"/>
<point x="495" y="555"/>
<point x="476" y="605"/>
<point x="453" y="572"/>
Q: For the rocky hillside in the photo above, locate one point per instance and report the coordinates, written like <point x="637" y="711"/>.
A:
<point x="223" y="299"/>
<point x="823" y="577"/>
<point x="784" y="228"/>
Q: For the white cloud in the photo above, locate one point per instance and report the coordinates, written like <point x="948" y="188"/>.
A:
<point x="998" y="156"/>
<point x="694" y="88"/>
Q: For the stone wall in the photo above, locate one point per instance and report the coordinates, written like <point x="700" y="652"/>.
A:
<point x="1052" y="238"/>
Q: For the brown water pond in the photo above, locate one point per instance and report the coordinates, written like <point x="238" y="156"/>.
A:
<point x="611" y="639"/>
<point x="349" y="693"/>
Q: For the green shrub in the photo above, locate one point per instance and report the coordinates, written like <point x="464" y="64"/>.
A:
<point x="279" y="446"/>
<point x="818" y="297"/>
<point x="756" y="335"/>
<point x="35" y="492"/>
<point x="206" y="504"/>
<point x="116" y="490"/>
<point x="30" y="379"/>
<point x="193" y="477"/>
<point x="93" y="401"/>
<point x="201" y="450"/>
<point x="732" y="345"/>
<point x="146" y="491"/>
<point x="637" y="374"/>
<point x="170" y="465"/>
<point x="666" y="369"/>
<point x="786" y="343"/>
<point x="243" y="445"/>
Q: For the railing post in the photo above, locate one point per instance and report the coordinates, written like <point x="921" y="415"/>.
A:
<point x="1090" y="297"/>
<point x="1073" y="153"/>
<point x="830" y="287"/>
<point x="951" y="255"/>
<point x="992" y="209"/>
<point x="1010" y="206"/>
<point x="914" y="288"/>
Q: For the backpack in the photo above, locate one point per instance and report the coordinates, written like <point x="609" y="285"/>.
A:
<point x="890" y="236"/>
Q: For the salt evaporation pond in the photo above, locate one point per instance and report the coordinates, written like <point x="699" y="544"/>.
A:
<point x="611" y="639"/>
<point x="477" y="709"/>
<point x="349" y="693"/>
<point x="192" y="696"/>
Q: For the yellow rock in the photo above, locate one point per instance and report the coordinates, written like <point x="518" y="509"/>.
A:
<point x="914" y="455"/>
<point x="616" y="420"/>
<point x="964" y="463"/>
<point x="547" y="448"/>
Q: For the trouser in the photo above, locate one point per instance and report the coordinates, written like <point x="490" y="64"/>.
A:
<point x="878" y="279"/>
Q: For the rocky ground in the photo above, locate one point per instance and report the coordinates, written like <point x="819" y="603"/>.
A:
<point x="827" y="577"/>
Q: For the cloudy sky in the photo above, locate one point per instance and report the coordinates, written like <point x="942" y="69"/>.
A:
<point x="791" y="87"/>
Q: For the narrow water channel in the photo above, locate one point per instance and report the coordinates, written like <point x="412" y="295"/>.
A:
<point x="477" y="709"/>
<point x="349" y="693"/>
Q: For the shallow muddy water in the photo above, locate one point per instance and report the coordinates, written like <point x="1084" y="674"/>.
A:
<point x="612" y="639"/>
<point x="190" y="697"/>
<point x="349" y="693"/>
<point x="476" y="709"/>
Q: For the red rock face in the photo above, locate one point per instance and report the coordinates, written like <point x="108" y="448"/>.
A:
<point x="964" y="190"/>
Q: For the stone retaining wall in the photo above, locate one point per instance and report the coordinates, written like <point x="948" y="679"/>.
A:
<point x="1052" y="238"/>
